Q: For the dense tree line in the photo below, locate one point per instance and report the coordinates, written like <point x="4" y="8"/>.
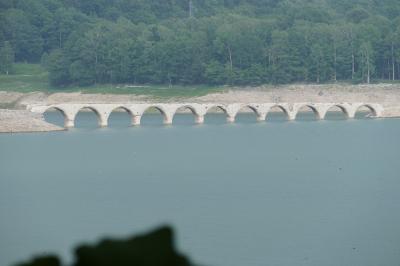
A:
<point x="204" y="41"/>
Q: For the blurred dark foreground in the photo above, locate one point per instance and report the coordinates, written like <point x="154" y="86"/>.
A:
<point x="156" y="248"/>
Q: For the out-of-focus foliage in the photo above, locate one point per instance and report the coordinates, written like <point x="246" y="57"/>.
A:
<point x="156" y="248"/>
<point x="242" y="42"/>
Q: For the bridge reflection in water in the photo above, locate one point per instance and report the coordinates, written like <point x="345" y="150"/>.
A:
<point x="230" y="111"/>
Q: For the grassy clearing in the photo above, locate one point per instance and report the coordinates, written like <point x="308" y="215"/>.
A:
<point x="26" y="78"/>
<point x="32" y="77"/>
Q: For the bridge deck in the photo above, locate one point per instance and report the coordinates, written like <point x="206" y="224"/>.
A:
<point x="168" y="110"/>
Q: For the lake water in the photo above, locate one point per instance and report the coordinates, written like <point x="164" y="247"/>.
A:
<point x="274" y="193"/>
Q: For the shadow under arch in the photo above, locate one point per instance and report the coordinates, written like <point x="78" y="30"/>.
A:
<point x="246" y="114"/>
<point x="304" y="113"/>
<point x="55" y="115"/>
<point x="84" y="117"/>
<point x="151" y="116"/>
<point x="336" y="112"/>
<point x="277" y="113"/>
<point x="120" y="116"/>
<point x="185" y="114"/>
<point x="365" y="111"/>
<point x="216" y="114"/>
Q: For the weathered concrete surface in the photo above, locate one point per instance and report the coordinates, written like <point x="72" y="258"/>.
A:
<point x="387" y="95"/>
<point x="199" y="110"/>
<point x="287" y="98"/>
<point x="13" y="121"/>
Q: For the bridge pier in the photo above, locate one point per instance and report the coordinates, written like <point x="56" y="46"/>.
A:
<point x="230" y="119"/>
<point x="69" y="123"/>
<point x="351" y="115"/>
<point x="261" y="117"/>
<point x="168" y="119"/>
<point x="103" y="122"/>
<point x="136" y="120"/>
<point x="321" y="110"/>
<point x="199" y="119"/>
<point x="291" y="116"/>
<point x="351" y="110"/>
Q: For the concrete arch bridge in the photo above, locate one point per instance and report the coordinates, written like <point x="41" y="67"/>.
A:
<point x="199" y="110"/>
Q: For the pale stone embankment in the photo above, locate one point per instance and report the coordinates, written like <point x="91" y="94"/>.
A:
<point x="388" y="95"/>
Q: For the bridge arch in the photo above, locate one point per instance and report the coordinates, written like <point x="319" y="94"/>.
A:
<point x="59" y="110"/>
<point x="217" y="107"/>
<point x="197" y="117"/>
<point x="158" y="108"/>
<point x="306" y="107"/>
<point x="100" y="121"/>
<point x="249" y="106"/>
<point x="368" y="107"/>
<point x="120" y="109"/>
<point x="220" y="114"/>
<point x="340" y="107"/>
<point x="246" y="109"/>
<point x="167" y="117"/>
<point x="278" y="107"/>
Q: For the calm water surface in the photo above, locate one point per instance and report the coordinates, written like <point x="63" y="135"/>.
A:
<point x="274" y="193"/>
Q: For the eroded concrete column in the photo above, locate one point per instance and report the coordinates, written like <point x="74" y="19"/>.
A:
<point x="199" y="119"/>
<point x="322" y="109"/>
<point x="69" y="120"/>
<point x="103" y="121"/>
<point x="231" y="112"/>
<point x="351" y="112"/>
<point x="136" y="120"/>
<point x="168" y="119"/>
<point x="322" y="114"/>
<point x="378" y="110"/>
<point x="291" y="111"/>
<point x="261" y="117"/>
<point x="291" y="116"/>
<point x="201" y="111"/>
<point x="230" y="118"/>
<point x="104" y="112"/>
<point x="262" y="111"/>
<point x="69" y="123"/>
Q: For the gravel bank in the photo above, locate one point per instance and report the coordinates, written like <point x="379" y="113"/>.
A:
<point x="13" y="121"/>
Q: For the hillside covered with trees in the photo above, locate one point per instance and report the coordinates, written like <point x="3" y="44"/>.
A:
<point x="238" y="42"/>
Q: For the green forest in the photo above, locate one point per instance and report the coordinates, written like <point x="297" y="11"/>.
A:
<point x="207" y="42"/>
